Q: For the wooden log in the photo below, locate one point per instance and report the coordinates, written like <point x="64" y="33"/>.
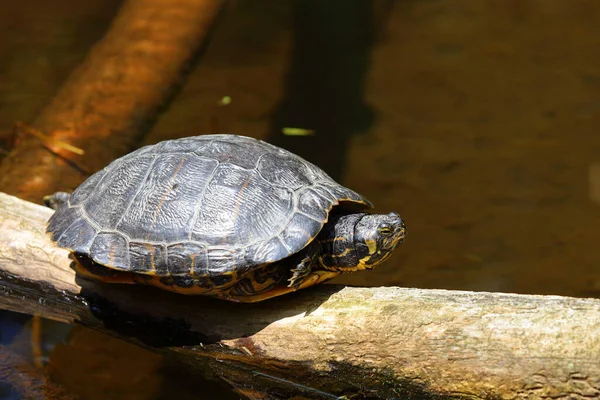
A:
<point x="113" y="97"/>
<point x="326" y="341"/>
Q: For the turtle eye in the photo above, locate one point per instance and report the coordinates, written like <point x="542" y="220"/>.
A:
<point x="385" y="230"/>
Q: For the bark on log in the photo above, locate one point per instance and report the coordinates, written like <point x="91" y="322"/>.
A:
<point x="364" y="342"/>
<point x="113" y="97"/>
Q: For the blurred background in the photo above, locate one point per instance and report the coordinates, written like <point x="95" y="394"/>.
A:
<point x="477" y="121"/>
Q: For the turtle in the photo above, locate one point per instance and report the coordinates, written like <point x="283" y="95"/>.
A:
<point x="222" y="215"/>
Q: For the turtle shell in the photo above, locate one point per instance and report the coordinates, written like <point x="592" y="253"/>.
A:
<point x="199" y="206"/>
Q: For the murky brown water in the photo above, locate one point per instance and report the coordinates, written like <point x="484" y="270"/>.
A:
<point x="477" y="121"/>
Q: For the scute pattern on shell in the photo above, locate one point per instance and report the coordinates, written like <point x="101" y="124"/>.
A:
<point x="204" y="205"/>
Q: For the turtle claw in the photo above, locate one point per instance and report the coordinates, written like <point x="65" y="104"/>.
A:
<point x="300" y="273"/>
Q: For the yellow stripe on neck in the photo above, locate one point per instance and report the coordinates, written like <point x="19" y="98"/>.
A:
<point x="372" y="245"/>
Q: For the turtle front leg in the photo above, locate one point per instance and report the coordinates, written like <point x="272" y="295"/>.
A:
<point x="304" y="268"/>
<point x="301" y="272"/>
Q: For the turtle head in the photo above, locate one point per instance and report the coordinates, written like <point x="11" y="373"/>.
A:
<point x="376" y="236"/>
<point x="357" y="241"/>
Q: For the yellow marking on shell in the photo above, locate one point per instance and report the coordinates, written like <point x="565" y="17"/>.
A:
<point x="192" y="263"/>
<point x="372" y="245"/>
<point x="164" y="197"/>
<point x="111" y="254"/>
<point x="150" y="248"/>
<point x="238" y="197"/>
<point x="362" y="201"/>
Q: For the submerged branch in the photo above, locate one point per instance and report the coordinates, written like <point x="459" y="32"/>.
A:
<point x="367" y="342"/>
